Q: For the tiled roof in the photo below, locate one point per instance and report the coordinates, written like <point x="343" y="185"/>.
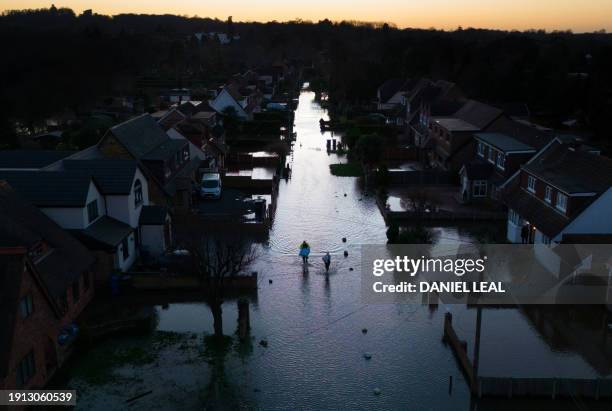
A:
<point x="455" y="124"/>
<point x="139" y="135"/>
<point x="11" y="274"/>
<point x="572" y="170"/>
<point x="503" y="142"/>
<point x="105" y="233"/>
<point x="392" y="86"/>
<point x="31" y="158"/>
<point x="165" y="150"/>
<point x="50" y="188"/>
<point x="68" y="258"/>
<point x="478" y="114"/>
<point x="114" y="176"/>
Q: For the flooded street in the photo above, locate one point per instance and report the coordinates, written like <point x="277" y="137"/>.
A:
<point x="312" y="323"/>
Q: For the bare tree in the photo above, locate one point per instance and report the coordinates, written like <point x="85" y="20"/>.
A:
<point x="218" y="250"/>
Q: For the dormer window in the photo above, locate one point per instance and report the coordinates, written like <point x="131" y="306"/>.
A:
<point x="137" y="193"/>
<point x="501" y="161"/>
<point x="491" y="156"/>
<point x="548" y="195"/>
<point x="531" y="184"/>
<point x="561" y="203"/>
<point x="481" y="149"/>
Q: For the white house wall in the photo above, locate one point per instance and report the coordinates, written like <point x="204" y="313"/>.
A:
<point x="122" y="208"/>
<point x="224" y="100"/>
<point x="75" y="218"/>
<point x="596" y="219"/>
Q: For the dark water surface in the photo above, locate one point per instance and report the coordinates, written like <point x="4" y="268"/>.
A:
<point x="312" y="323"/>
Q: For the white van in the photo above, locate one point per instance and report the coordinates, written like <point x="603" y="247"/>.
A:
<point x="211" y="186"/>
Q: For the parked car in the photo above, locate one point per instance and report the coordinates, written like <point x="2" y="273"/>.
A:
<point x="211" y="186"/>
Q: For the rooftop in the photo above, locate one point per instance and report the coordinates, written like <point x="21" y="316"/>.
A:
<point x="50" y="188"/>
<point x="572" y="170"/>
<point x="139" y="135"/>
<point x="165" y="150"/>
<point x="30" y="159"/>
<point x="114" y="176"/>
<point x="105" y="233"/>
<point x="503" y="142"/>
<point x="455" y="124"/>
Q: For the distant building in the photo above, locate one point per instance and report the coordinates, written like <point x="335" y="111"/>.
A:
<point x="453" y="135"/>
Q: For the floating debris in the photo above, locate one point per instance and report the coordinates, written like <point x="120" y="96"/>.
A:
<point x="377" y="391"/>
<point x="350" y="268"/>
<point x="346" y="253"/>
<point x="263" y="343"/>
<point x="364" y="330"/>
<point x="345" y="194"/>
<point x="367" y="356"/>
<point x="269" y="281"/>
<point x="344" y="239"/>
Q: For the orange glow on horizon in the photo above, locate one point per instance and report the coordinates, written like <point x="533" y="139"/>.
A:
<point x="577" y="15"/>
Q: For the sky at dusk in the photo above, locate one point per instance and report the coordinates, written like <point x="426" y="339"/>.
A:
<point x="577" y="15"/>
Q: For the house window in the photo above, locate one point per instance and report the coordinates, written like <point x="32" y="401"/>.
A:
<point x="167" y="171"/>
<point x="491" y="156"/>
<point x="125" y="250"/>
<point x="514" y="217"/>
<point x="76" y="291"/>
<point x="137" y="193"/>
<point x="548" y="194"/>
<point x="501" y="161"/>
<point x="480" y="188"/>
<point x="92" y="211"/>
<point x="531" y="184"/>
<point x="26" y="306"/>
<point x="186" y="154"/>
<point x="561" y="202"/>
<point x="481" y="149"/>
<point x="25" y="369"/>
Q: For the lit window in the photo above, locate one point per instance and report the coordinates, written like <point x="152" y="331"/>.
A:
<point x="561" y="202"/>
<point x="501" y="161"/>
<point x="491" y="156"/>
<point x="481" y="149"/>
<point x="26" y="306"/>
<point x="480" y="188"/>
<point x="531" y="184"/>
<point x="548" y="194"/>
<point x="92" y="210"/>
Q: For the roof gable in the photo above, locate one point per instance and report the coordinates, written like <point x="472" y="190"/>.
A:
<point x="478" y="114"/>
<point x="114" y="176"/>
<point x="139" y="135"/>
<point x="51" y="188"/>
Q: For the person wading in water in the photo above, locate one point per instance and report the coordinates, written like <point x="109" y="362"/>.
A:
<point x="327" y="261"/>
<point x="304" y="251"/>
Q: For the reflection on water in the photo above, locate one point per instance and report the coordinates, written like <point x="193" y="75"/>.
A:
<point x="313" y="323"/>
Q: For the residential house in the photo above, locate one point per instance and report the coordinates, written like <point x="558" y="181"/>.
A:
<point x="498" y="154"/>
<point x="242" y="101"/>
<point x="564" y="191"/>
<point x="74" y="201"/>
<point x="167" y="162"/>
<point x="390" y="94"/>
<point x="453" y="135"/>
<point x="45" y="284"/>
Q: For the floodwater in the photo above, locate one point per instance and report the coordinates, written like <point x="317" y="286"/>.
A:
<point x="312" y="323"/>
